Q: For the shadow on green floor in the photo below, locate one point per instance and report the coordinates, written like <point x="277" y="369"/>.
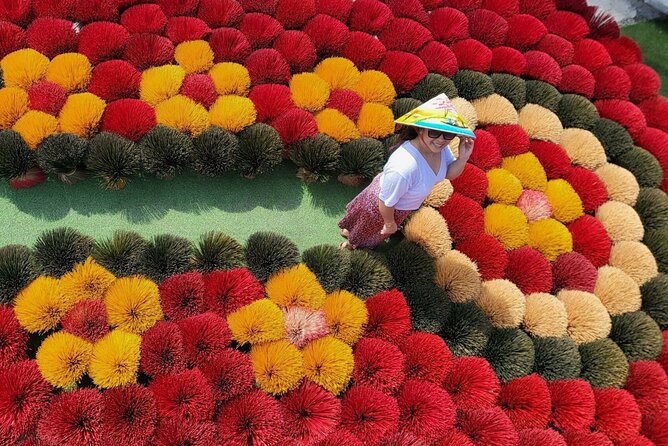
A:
<point x="147" y="199"/>
<point x="188" y="205"/>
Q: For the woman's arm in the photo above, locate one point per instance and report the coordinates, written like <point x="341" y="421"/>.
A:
<point x="389" y="225"/>
<point x="393" y="187"/>
<point x="457" y="167"/>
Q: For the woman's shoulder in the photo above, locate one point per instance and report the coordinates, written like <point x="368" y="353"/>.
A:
<point x="405" y="152"/>
<point x="402" y="160"/>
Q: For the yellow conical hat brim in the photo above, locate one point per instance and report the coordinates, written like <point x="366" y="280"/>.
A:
<point x="438" y="113"/>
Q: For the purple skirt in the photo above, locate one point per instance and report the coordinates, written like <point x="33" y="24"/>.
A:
<point x="363" y="220"/>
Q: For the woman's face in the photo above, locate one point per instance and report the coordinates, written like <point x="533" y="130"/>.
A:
<point x="435" y="140"/>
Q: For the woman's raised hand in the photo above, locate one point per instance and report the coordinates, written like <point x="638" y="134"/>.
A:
<point x="465" y="147"/>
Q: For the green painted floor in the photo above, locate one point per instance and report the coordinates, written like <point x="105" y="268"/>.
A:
<point x="652" y="37"/>
<point x="187" y="206"/>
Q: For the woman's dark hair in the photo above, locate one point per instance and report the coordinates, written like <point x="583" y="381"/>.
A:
<point x="405" y="133"/>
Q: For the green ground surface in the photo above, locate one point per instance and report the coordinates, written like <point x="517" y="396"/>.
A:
<point x="187" y="206"/>
<point x="652" y="37"/>
<point x="191" y="205"/>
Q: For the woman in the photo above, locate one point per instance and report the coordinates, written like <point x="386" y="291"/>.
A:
<point x="419" y="162"/>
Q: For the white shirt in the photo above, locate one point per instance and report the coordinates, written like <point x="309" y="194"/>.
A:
<point x="407" y="178"/>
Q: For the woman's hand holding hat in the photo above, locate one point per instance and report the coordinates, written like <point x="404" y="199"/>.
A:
<point x="465" y="147"/>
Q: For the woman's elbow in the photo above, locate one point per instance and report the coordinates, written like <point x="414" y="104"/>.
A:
<point x="451" y="175"/>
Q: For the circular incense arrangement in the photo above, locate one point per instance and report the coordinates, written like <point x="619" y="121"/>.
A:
<point x="527" y="303"/>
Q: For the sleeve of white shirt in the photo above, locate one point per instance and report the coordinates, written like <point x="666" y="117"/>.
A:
<point x="394" y="186"/>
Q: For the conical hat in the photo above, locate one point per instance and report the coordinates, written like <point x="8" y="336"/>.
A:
<point x="437" y="113"/>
